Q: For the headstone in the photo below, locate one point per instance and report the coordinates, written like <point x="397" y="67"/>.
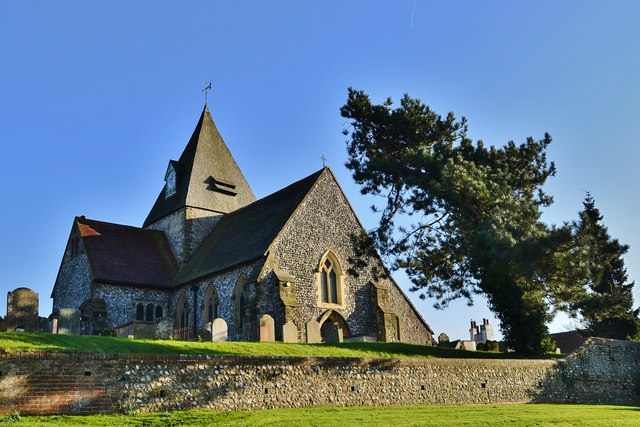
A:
<point x="290" y="332"/>
<point x="443" y="338"/>
<point x="219" y="330"/>
<point x="313" y="331"/>
<point x="163" y="329"/>
<point x="54" y="325"/>
<point x="93" y="316"/>
<point x="339" y="331"/>
<point x="267" y="329"/>
<point x="331" y="332"/>
<point x="69" y="321"/>
<point x="44" y="325"/>
<point x="22" y="310"/>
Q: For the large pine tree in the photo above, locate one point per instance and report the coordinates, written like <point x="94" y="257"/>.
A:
<point x="470" y="214"/>
<point x="607" y="306"/>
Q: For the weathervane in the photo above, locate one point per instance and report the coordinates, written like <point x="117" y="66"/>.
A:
<point x="206" y="90"/>
<point x="324" y="159"/>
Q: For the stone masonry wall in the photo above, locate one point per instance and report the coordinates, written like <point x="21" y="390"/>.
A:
<point x="73" y="286"/>
<point x="602" y="372"/>
<point x="173" y="227"/>
<point x="121" y="301"/>
<point x="75" y="383"/>
<point x="185" y="229"/>
<point x="224" y="285"/>
<point x="325" y="221"/>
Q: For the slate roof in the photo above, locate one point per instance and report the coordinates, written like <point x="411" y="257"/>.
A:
<point x="207" y="176"/>
<point x="245" y="235"/>
<point x="121" y="254"/>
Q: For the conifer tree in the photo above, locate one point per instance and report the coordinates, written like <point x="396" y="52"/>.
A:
<point x="607" y="305"/>
<point x="461" y="218"/>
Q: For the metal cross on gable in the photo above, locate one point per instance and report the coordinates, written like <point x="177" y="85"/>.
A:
<point x="324" y="160"/>
<point x="207" y="88"/>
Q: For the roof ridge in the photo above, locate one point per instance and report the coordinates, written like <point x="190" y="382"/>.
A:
<point x="83" y="218"/>
<point x="277" y="192"/>
<point x="245" y="233"/>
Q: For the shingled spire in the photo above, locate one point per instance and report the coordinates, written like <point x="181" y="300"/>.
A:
<point x="206" y="177"/>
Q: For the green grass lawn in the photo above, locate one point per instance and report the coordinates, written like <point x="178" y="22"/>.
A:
<point x="12" y="342"/>
<point x="433" y="415"/>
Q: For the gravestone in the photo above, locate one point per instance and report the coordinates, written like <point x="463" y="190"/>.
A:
<point x="290" y="332"/>
<point x="44" y="325"/>
<point x="22" y="310"/>
<point x="313" y="331"/>
<point x="93" y="316"/>
<point x="69" y="321"/>
<point x="163" y="328"/>
<point x="331" y="332"/>
<point x="267" y="329"/>
<point x="443" y="338"/>
<point x="219" y="330"/>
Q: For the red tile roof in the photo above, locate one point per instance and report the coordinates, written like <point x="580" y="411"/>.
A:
<point x="121" y="254"/>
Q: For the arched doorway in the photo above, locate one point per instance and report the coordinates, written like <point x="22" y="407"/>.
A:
<point x="332" y="326"/>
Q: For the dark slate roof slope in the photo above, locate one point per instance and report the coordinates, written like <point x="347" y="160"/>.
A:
<point x="125" y="255"/>
<point x="205" y="160"/>
<point x="246" y="234"/>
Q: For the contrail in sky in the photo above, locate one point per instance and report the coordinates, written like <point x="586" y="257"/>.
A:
<point x="413" y="13"/>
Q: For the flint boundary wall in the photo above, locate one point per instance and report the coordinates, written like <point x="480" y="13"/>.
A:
<point x="79" y="383"/>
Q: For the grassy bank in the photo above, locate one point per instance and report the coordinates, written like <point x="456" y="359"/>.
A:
<point x="433" y="415"/>
<point x="12" y="342"/>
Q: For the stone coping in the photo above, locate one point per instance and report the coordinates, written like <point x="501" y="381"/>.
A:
<point x="268" y="360"/>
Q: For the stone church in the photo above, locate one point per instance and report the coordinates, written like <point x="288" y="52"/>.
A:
<point x="208" y="250"/>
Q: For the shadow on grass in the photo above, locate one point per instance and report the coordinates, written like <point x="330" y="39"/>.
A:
<point x="12" y="342"/>
<point x="414" y="350"/>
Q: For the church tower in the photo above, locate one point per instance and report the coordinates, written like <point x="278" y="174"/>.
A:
<point x="203" y="185"/>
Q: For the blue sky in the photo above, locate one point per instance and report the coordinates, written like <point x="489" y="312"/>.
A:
<point x="96" y="97"/>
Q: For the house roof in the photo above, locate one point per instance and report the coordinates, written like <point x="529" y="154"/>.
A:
<point x="246" y="234"/>
<point x="121" y="254"/>
<point x="207" y="176"/>
<point x="568" y="341"/>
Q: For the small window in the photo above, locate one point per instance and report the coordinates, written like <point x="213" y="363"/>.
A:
<point x="148" y="315"/>
<point x="140" y="311"/>
<point x="159" y="311"/>
<point x="170" y="188"/>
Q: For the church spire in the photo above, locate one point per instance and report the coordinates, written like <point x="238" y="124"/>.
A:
<point x="205" y="177"/>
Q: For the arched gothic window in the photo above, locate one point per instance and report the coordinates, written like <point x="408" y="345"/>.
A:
<point x="211" y="305"/>
<point x="182" y="313"/>
<point x="159" y="311"/>
<point x="330" y="280"/>
<point x="140" y="311"/>
<point x="244" y="307"/>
